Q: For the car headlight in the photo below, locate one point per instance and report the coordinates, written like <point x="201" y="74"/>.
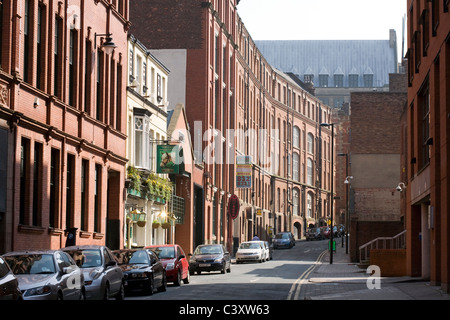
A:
<point x="95" y="274"/>
<point x="38" y="291"/>
<point x="218" y="259"/>
<point x="170" y="266"/>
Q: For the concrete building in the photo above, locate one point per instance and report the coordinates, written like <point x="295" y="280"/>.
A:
<point x="62" y="122"/>
<point x="427" y="120"/>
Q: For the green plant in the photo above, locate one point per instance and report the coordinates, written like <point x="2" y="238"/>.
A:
<point x="135" y="178"/>
<point x="158" y="186"/>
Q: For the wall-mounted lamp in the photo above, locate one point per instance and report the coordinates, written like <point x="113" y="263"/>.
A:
<point x="401" y="186"/>
<point x="347" y="180"/>
<point x="36" y="102"/>
<point x="108" y="45"/>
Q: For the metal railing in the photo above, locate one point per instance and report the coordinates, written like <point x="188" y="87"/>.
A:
<point x="396" y="242"/>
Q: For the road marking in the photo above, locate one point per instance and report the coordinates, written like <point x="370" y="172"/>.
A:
<point x="294" y="292"/>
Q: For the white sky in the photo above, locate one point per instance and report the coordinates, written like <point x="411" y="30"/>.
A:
<point x="323" y="19"/>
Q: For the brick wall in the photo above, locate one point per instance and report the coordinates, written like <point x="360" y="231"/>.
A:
<point x="179" y="21"/>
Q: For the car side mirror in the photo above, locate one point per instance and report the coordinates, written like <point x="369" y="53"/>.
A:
<point x="110" y="264"/>
<point x="181" y="256"/>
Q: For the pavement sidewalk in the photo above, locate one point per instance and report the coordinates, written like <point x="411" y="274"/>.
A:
<point x="344" y="280"/>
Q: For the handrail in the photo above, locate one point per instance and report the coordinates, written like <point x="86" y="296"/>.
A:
<point x="395" y="242"/>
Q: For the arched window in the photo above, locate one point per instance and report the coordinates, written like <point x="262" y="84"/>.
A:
<point x="309" y="204"/>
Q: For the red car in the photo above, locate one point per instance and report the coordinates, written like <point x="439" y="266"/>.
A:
<point x="174" y="260"/>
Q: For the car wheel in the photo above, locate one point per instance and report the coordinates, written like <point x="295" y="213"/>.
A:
<point x="229" y="268"/>
<point x="121" y="294"/>
<point x="150" y="285"/>
<point x="83" y="294"/>
<point x="177" y="282"/>
<point x="106" y="293"/>
<point x="224" y="268"/>
<point x="188" y="277"/>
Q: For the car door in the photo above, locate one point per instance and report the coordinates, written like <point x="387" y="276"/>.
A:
<point x="8" y="283"/>
<point x="70" y="280"/>
<point x="113" y="273"/>
<point x="182" y="262"/>
<point x="157" y="268"/>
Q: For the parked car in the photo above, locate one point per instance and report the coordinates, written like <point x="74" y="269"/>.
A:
<point x="251" y="251"/>
<point x="102" y="276"/>
<point x="283" y="240"/>
<point x="175" y="262"/>
<point x="47" y="275"/>
<point x="265" y="246"/>
<point x="142" y="270"/>
<point x="326" y="232"/>
<point x="314" y="234"/>
<point x="210" y="257"/>
<point x="9" y="285"/>
<point x="270" y="246"/>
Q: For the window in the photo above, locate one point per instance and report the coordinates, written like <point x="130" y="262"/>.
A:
<point x="27" y="27"/>
<point x="323" y="80"/>
<point x="310" y="143"/>
<point x="296" y="137"/>
<point x="39" y="47"/>
<point x="57" y="57"/>
<point x="99" y="83"/>
<point x="69" y="189"/>
<point x="87" y="76"/>
<point x="24" y="168"/>
<point x="37" y="189"/>
<point x="295" y="172"/>
<point x="338" y="80"/>
<point x="309" y="204"/>
<point x="353" y="80"/>
<point x="97" y="193"/>
<point x="295" y="202"/>
<point x="84" y="193"/>
<point x="368" y="80"/>
<point x="309" y="171"/>
<point x="143" y="145"/>
<point x="424" y="109"/>
<point x="72" y="71"/>
<point x="54" y="188"/>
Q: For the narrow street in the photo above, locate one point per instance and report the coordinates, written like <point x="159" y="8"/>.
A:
<point x="276" y="279"/>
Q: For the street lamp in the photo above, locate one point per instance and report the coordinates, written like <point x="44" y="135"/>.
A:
<point x="332" y="183"/>
<point x="108" y="45"/>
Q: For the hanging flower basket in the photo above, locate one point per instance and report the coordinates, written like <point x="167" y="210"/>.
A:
<point x="141" y="223"/>
<point x="155" y="225"/>
<point x="166" y="225"/>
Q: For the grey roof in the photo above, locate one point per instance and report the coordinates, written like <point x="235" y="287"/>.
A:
<point x="345" y="57"/>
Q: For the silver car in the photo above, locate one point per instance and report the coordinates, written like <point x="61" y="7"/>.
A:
<point x="103" y="277"/>
<point x="47" y="275"/>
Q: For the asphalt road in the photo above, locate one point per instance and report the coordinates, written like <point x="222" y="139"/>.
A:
<point x="277" y="279"/>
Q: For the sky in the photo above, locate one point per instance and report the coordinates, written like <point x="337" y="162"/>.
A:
<point x="323" y="19"/>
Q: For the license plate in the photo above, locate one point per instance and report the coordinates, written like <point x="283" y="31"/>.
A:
<point x="203" y="265"/>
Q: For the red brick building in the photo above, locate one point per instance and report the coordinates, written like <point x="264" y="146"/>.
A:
<point x="62" y="122"/>
<point x="230" y="87"/>
<point x="427" y="121"/>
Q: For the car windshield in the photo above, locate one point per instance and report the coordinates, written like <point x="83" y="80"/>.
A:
<point x="208" y="250"/>
<point x="282" y="236"/>
<point x="87" y="258"/>
<point x="31" y="264"/>
<point x="249" y="245"/>
<point x="132" y="257"/>
<point x="164" y="252"/>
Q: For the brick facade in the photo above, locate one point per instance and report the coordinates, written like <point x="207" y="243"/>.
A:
<point x="65" y="123"/>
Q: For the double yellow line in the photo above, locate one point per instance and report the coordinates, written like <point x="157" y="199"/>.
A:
<point x="294" y="292"/>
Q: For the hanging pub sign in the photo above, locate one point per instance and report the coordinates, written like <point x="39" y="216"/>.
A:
<point x="167" y="159"/>
<point x="233" y="206"/>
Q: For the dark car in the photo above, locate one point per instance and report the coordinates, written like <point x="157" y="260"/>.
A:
<point x="47" y="275"/>
<point x="102" y="276"/>
<point x="9" y="285"/>
<point x="314" y="234"/>
<point x="283" y="240"/>
<point x="210" y="257"/>
<point x="142" y="270"/>
<point x="175" y="262"/>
